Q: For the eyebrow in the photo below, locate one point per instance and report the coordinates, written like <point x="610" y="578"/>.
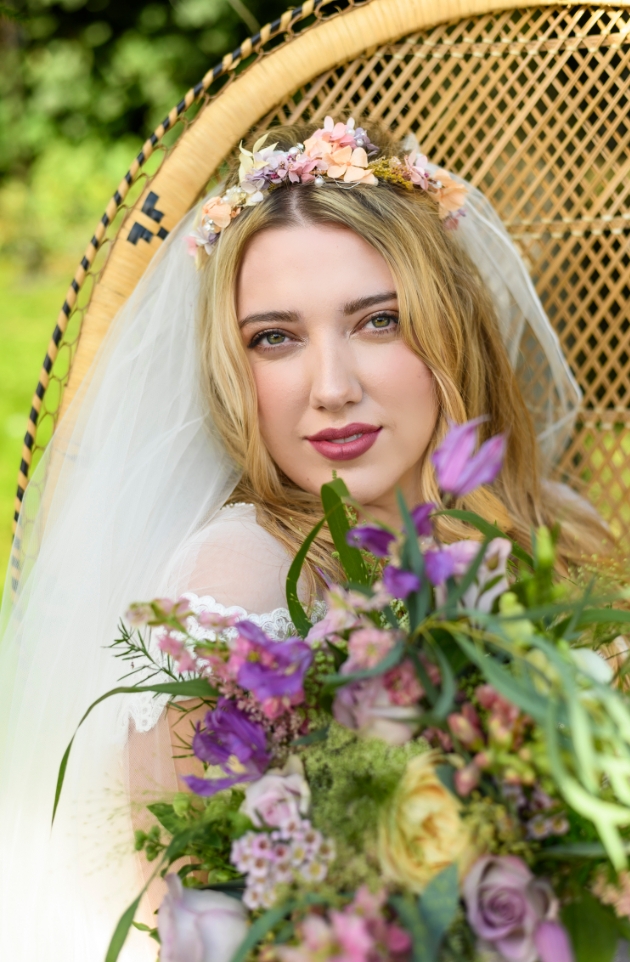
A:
<point x="291" y="317"/>
<point x="362" y="302"/>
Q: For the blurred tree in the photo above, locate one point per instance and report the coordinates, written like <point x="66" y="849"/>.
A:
<point x="77" y="70"/>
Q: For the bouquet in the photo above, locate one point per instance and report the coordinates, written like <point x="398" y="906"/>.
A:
<point x="437" y="770"/>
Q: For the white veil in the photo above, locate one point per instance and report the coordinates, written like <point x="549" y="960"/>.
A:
<point x="132" y="471"/>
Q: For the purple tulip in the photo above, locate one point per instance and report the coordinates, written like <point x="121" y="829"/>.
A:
<point x="458" y="470"/>
<point x="552" y="943"/>
<point x="374" y="540"/>
<point x="422" y="520"/>
<point x="400" y="583"/>
<point x="229" y="734"/>
<point x="277" y="669"/>
<point x="439" y="565"/>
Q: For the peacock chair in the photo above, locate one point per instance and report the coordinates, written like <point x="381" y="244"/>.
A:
<point x="528" y="100"/>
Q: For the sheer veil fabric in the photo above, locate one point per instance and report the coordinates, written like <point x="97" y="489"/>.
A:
<point x="133" y="479"/>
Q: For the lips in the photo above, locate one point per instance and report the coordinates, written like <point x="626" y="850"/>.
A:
<point x="345" y="444"/>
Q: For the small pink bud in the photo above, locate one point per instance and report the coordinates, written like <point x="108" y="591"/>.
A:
<point x="552" y="943"/>
<point x="463" y="730"/>
<point x="466" y="779"/>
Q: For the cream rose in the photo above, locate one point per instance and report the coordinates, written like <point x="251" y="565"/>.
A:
<point x="421" y="831"/>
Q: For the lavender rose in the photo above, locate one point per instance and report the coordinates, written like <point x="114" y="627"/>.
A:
<point x="507" y="905"/>
<point x="199" y="925"/>
<point x="279" y="796"/>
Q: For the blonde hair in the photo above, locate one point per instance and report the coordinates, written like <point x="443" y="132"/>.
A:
<point x="446" y="317"/>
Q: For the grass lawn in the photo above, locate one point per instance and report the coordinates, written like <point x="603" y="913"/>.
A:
<point x="28" y="310"/>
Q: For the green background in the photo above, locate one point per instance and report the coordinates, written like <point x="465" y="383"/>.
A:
<point x="82" y="84"/>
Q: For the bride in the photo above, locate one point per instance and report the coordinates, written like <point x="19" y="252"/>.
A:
<point x="341" y="309"/>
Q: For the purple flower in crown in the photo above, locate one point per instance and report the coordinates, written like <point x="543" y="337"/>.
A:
<point x="459" y="471"/>
<point x="272" y="670"/>
<point x="234" y="743"/>
<point x="400" y="583"/>
<point x="375" y="540"/>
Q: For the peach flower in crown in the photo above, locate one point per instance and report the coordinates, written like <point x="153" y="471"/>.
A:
<point x="337" y="154"/>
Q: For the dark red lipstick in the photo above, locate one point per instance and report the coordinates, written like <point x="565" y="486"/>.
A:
<point x="345" y="444"/>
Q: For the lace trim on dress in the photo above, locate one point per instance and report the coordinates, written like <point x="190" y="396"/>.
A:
<point x="144" y="709"/>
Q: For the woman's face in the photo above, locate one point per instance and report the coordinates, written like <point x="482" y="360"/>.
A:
<point x="338" y="389"/>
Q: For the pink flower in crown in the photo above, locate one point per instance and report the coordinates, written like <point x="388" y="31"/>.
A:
<point x="218" y="211"/>
<point x="450" y="195"/>
<point x="416" y="169"/>
<point x="330" y="136"/>
<point x="351" y="165"/>
<point x="302" y="169"/>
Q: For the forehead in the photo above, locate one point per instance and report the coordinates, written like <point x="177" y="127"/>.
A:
<point x="304" y="267"/>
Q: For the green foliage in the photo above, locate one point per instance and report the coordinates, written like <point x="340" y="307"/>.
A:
<point x="592" y="928"/>
<point x="351" y="779"/>
<point x="429" y="917"/>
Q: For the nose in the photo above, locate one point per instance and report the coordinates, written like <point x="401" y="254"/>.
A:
<point x="334" y="379"/>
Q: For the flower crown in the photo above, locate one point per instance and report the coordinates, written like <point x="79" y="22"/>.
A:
<point x="338" y="153"/>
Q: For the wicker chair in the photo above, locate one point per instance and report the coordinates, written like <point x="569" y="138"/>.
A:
<point x="527" y="100"/>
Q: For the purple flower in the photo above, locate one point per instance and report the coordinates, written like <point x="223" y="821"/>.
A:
<point x="232" y="741"/>
<point x="552" y="943"/>
<point x="400" y="583"/>
<point x="459" y="471"/>
<point x="506" y="905"/>
<point x="421" y="519"/>
<point x="272" y="669"/>
<point x="374" y="540"/>
<point x="439" y="565"/>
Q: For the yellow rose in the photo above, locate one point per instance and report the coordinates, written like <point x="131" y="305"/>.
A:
<point x="421" y="831"/>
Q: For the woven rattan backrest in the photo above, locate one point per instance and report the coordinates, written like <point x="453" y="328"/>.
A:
<point x="529" y="103"/>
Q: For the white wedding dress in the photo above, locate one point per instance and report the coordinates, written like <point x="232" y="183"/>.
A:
<point x="126" y="505"/>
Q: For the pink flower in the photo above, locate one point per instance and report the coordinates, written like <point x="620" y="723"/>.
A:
<point x="351" y="165"/>
<point x="402" y="684"/>
<point x="368" y="646"/>
<point x="466" y="727"/>
<point x="368" y="708"/>
<point x="280" y="795"/>
<point x="466" y="779"/>
<point x="416" y="169"/>
<point x="218" y="211"/>
<point x="451" y="195"/>
<point x="489" y="583"/>
<point x="506" y="904"/>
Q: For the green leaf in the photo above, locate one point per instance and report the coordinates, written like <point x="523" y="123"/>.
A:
<point x="192" y="688"/>
<point x="298" y="615"/>
<point x="524" y="697"/>
<point x="311" y="739"/>
<point x="122" y="930"/>
<point x="166" y="816"/>
<point x="444" y="703"/>
<point x="487" y="529"/>
<point x="333" y="495"/>
<point x="439" y="903"/>
<point x="603" y="616"/>
<point x="260" y="928"/>
<point x="415" y="924"/>
<point x="591" y="928"/>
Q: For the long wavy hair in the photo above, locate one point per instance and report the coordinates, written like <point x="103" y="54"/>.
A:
<point x="447" y="318"/>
